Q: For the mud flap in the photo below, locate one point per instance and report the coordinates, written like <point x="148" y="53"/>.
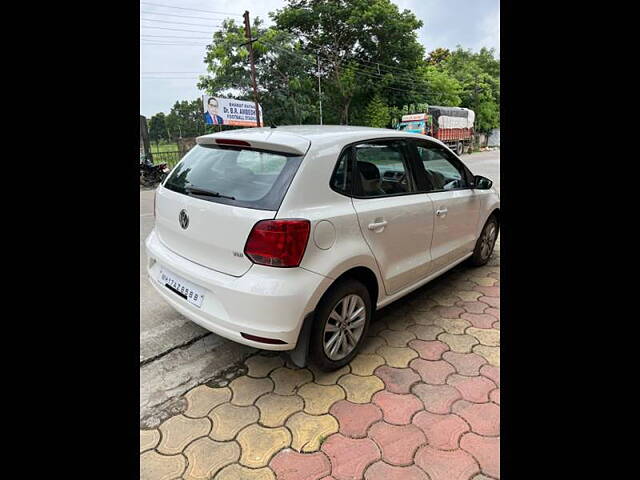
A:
<point x="300" y="354"/>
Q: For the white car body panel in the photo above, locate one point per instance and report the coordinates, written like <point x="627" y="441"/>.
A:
<point x="414" y="247"/>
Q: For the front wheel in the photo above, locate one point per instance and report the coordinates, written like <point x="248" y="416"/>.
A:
<point x="341" y="322"/>
<point x="485" y="243"/>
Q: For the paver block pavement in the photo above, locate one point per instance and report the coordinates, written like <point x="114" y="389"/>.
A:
<point x="309" y="431"/>
<point x="443" y="432"/>
<point x="398" y="443"/>
<point x="397" y="408"/>
<point x="445" y="464"/>
<point x="350" y="457"/>
<point x="202" y="399"/>
<point x="486" y="450"/>
<point x="177" y="432"/>
<point x="291" y="465"/>
<point x="154" y="466"/>
<point x="229" y="419"/>
<point x="384" y="471"/>
<point x="259" y="444"/>
<point x="148" y="439"/>
<point x="397" y="380"/>
<point x="360" y="389"/>
<point x="275" y="409"/>
<point x="421" y="401"/>
<point x="355" y="418"/>
<point x="206" y="457"/>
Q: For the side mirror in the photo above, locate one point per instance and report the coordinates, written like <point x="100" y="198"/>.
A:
<point x="481" y="183"/>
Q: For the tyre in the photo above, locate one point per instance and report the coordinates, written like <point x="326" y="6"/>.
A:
<point x="340" y="325"/>
<point x="485" y="243"/>
<point x="459" y="149"/>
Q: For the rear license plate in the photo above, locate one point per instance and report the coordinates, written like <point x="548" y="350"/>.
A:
<point x="181" y="287"/>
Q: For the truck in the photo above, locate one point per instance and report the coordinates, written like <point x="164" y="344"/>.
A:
<point x="451" y="125"/>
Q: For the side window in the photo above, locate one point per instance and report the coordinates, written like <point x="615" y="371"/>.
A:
<point x="382" y="169"/>
<point x="341" y="179"/>
<point x="440" y="170"/>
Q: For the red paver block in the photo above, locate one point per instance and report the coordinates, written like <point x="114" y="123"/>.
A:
<point x="494" y="396"/>
<point x="473" y="389"/>
<point x="491" y="301"/>
<point x="350" y="457"/>
<point x="491" y="372"/>
<point x="473" y="307"/>
<point x="384" y="471"/>
<point x="468" y="364"/>
<point x="494" y="312"/>
<point x="446" y="465"/>
<point x="397" y="408"/>
<point x="496" y="325"/>
<point x="430" y="350"/>
<point x="447" y="312"/>
<point x="397" y="443"/>
<point x="484" y="449"/>
<point x="437" y="398"/>
<point x="355" y="418"/>
<point x="397" y="380"/>
<point x="291" y="465"/>
<point x="488" y="291"/>
<point x="484" y="418"/>
<point x="479" y="320"/>
<point x="442" y="431"/>
<point x="435" y="373"/>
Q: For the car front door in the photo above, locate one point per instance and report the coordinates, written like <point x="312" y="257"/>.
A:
<point x="456" y="205"/>
<point x="395" y="219"/>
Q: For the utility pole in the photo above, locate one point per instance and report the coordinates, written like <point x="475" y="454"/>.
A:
<point x="247" y="33"/>
<point x="319" y="89"/>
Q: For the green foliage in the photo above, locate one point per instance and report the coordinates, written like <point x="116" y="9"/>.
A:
<point x="479" y="76"/>
<point x="377" y="113"/>
<point x="158" y="128"/>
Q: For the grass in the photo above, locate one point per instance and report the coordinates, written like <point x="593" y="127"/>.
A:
<point x="163" y="147"/>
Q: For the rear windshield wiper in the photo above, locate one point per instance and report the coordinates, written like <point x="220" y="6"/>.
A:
<point x="208" y="193"/>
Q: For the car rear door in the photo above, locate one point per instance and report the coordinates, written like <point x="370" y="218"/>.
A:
<point x="456" y="205"/>
<point x="395" y="219"/>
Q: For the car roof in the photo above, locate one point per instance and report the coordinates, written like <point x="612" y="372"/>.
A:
<point x="318" y="135"/>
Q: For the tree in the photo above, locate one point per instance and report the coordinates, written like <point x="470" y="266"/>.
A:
<point x="438" y="55"/>
<point x="377" y="112"/>
<point x="285" y="73"/>
<point x="479" y="77"/>
<point x="364" y="45"/>
<point x="158" y="128"/>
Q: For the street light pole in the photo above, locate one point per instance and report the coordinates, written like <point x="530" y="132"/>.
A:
<point x="247" y="32"/>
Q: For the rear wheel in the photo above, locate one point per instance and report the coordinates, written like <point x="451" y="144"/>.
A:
<point x="485" y="243"/>
<point x="341" y="323"/>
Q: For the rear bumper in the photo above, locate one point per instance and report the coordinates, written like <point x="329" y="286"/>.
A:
<point x="265" y="302"/>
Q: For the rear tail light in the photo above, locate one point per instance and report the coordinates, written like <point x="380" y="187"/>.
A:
<point x="278" y="243"/>
<point x="231" y="141"/>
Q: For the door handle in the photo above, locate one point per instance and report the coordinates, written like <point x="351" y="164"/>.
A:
<point x="377" y="225"/>
<point x="441" y="212"/>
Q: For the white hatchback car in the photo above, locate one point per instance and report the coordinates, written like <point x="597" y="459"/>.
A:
<point x="290" y="238"/>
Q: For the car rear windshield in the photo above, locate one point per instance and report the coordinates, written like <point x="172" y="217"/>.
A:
<point x="242" y="177"/>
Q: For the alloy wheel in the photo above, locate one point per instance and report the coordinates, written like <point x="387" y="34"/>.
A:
<point x="344" y="327"/>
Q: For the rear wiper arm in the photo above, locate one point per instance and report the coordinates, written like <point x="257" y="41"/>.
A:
<point x="208" y="193"/>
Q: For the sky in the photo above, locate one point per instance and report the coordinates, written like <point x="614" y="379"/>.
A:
<point x="169" y="72"/>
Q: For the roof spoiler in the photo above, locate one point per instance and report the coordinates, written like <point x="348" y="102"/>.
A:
<point x="269" y="139"/>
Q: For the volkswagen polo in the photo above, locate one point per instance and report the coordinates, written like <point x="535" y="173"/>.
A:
<point x="290" y="238"/>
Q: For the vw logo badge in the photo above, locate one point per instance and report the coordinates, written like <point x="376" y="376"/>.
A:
<point x="183" y="219"/>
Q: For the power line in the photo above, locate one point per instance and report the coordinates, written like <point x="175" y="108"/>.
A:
<point x="146" y="12"/>
<point x="190" y="9"/>
<point x="178" y="29"/>
<point x="175" y="36"/>
<point x="178" y="23"/>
